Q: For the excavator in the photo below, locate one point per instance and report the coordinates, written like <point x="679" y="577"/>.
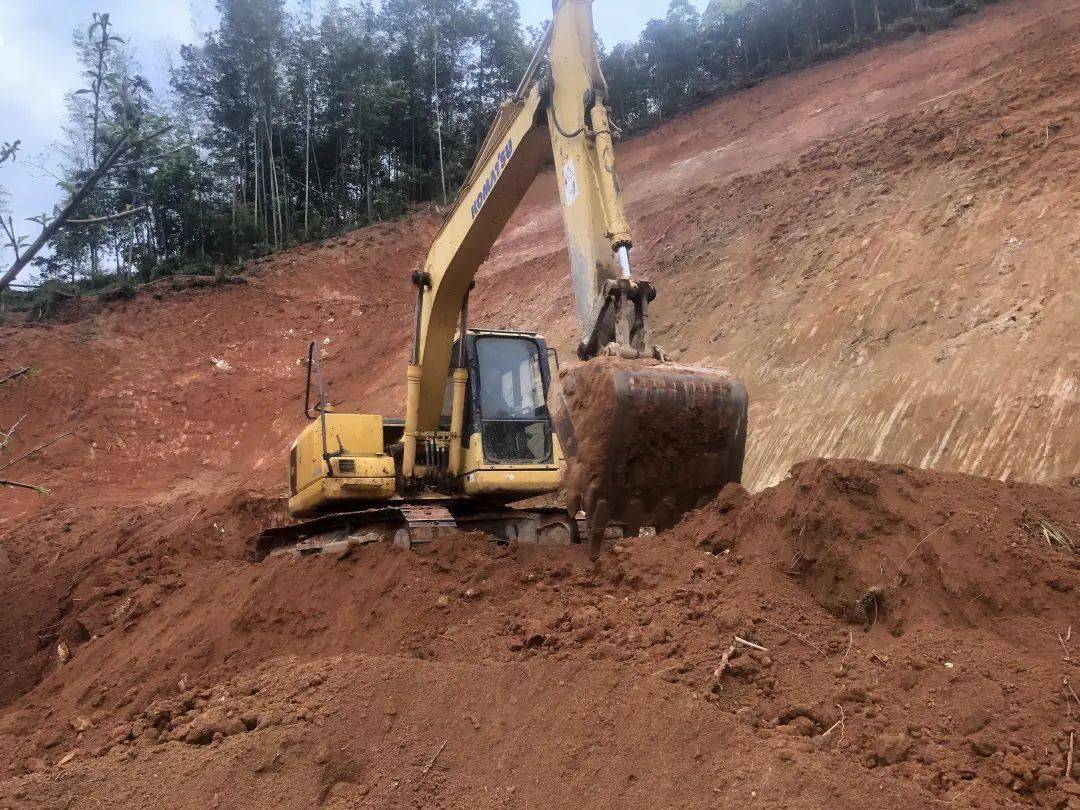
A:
<point x="490" y="420"/>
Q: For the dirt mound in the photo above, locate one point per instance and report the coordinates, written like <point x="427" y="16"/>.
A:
<point x="845" y="529"/>
<point x="344" y="678"/>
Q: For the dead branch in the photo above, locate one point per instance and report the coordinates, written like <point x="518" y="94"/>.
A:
<point x="793" y="634"/>
<point x="107" y="218"/>
<point x="427" y="767"/>
<point x="151" y="158"/>
<point x="1069" y="760"/>
<point x="839" y="723"/>
<point x="38" y="449"/>
<point x="971" y="784"/>
<point x="20" y="485"/>
<point x="725" y="659"/>
<point x="750" y="644"/>
<point x="903" y="562"/>
<point x="850" y="641"/>
<point x="5" y="436"/>
<point x="15" y="374"/>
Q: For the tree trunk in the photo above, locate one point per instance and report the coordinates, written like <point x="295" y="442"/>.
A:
<point x="255" y="194"/>
<point x="286" y="196"/>
<point x="307" y="127"/>
<point x="52" y="227"/>
<point x="368" y="178"/>
<point x="438" y="116"/>
<point x="271" y="176"/>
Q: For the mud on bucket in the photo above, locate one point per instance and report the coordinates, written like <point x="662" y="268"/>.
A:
<point x="646" y="441"/>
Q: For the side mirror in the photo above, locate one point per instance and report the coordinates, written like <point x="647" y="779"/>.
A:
<point x="314" y="359"/>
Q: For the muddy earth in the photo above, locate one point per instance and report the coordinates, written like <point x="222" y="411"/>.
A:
<point x="883" y="248"/>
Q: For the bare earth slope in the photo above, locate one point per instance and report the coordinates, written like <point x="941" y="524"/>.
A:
<point x="883" y="247"/>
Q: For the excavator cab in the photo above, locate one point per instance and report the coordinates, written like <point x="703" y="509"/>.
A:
<point x="506" y="395"/>
<point x="509" y="445"/>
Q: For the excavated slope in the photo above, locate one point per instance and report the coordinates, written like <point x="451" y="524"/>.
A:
<point x="884" y="247"/>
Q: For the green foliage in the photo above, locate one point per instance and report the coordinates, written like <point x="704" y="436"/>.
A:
<point x="287" y="128"/>
<point x="684" y="58"/>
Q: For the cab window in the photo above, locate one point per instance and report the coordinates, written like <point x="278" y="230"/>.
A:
<point x="513" y="407"/>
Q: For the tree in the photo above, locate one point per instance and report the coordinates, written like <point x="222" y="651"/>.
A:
<point x="679" y="58"/>
<point x="289" y="126"/>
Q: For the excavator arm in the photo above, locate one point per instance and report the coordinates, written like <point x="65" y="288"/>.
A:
<point x="560" y="118"/>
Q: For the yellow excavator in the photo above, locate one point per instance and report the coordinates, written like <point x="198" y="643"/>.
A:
<point x="633" y="440"/>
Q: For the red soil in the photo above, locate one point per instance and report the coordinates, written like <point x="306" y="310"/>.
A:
<point x="882" y="247"/>
<point x="550" y="679"/>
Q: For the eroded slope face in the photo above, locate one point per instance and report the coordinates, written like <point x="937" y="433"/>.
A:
<point x="882" y="248"/>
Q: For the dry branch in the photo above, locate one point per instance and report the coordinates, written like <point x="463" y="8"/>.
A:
<point x="725" y="659"/>
<point x="903" y="562"/>
<point x="432" y="761"/>
<point x="15" y="374"/>
<point x="750" y="644"/>
<point x="5" y="435"/>
<point x="38" y="449"/>
<point x="107" y="218"/>
<point x="850" y="641"/>
<point x="793" y="634"/>
<point x="834" y="726"/>
<point x="20" y="485"/>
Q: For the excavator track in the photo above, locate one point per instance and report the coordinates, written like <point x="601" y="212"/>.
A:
<point x="408" y="524"/>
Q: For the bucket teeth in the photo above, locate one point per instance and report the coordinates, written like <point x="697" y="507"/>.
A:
<point x="645" y="441"/>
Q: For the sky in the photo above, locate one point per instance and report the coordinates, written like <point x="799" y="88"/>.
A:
<point x="38" y="65"/>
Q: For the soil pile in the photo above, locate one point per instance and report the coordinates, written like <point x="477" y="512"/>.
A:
<point x="914" y="628"/>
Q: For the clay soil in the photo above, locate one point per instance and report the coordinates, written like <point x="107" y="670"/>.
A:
<point x="883" y="248"/>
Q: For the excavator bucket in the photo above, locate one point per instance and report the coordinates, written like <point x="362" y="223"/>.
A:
<point x="647" y="441"/>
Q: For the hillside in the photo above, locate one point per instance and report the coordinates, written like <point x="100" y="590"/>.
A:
<point x="883" y="247"/>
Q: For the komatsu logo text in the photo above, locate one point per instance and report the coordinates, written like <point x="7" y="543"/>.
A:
<point x="493" y="178"/>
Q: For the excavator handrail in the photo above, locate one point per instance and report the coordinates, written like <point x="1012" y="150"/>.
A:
<point x="312" y="350"/>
